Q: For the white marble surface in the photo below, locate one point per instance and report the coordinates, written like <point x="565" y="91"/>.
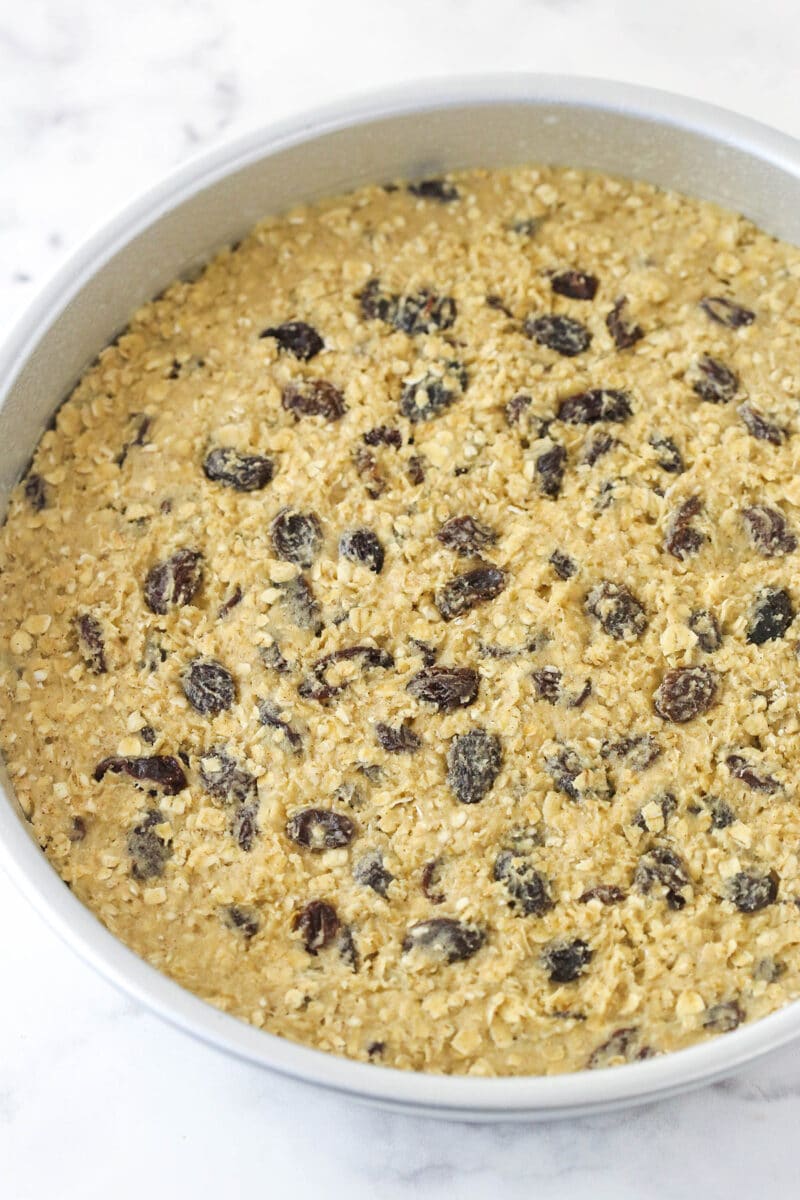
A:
<point x="98" y="1098"/>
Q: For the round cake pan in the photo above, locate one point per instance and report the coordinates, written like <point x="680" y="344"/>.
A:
<point x="415" y="131"/>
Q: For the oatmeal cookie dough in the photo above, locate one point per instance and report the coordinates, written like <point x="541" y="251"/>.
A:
<point x="398" y="626"/>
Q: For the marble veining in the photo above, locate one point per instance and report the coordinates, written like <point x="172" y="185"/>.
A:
<point x="98" y="1097"/>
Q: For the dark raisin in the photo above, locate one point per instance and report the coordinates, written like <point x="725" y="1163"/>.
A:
<point x="620" y="614"/>
<point x="319" y="924"/>
<point x="467" y="591"/>
<point x="625" y="333"/>
<point x="320" y="829"/>
<point x="547" y="681"/>
<point x="561" y="334"/>
<point x="148" y="851"/>
<point x="425" y="651"/>
<point x="428" y="397"/>
<point x="384" y="435"/>
<point x="773" y="613"/>
<point x="726" y="312"/>
<point x="444" y="938"/>
<point x="577" y="285"/>
<point x="466" y="535"/>
<point x="496" y="302"/>
<point x="363" y="546"/>
<point x="229" y="604"/>
<point x="473" y="764"/>
<point x="36" y="492"/>
<point x="273" y="659"/>
<point x="435" y="189"/>
<point x="176" y="580"/>
<point x="664" y="867"/>
<point x="161" y="769"/>
<point x="606" y="893"/>
<point x="724" y="1017"/>
<point x="713" y="381"/>
<point x="313" y="398"/>
<point x="636" y="753"/>
<point x="528" y="889"/>
<point x="316" y="687"/>
<point x="446" y="687"/>
<point x="297" y="337"/>
<point x="424" y="312"/>
<point x="348" y="951"/>
<point x="598" y="404"/>
<point x="550" y="467"/>
<point x="242" y="472"/>
<point x="91" y="643"/>
<point x="769" y="531"/>
<point x="208" y="686"/>
<point x="753" y="892"/>
<point x="77" y="830"/>
<point x="597" y="447"/>
<point x="705" y="627"/>
<point x="296" y="536"/>
<point x="367" y="467"/>
<point x="564" y="768"/>
<point x="300" y="604"/>
<point x="245" y="920"/>
<point x="623" y="1044"/>
<point x="667" y="804"/>
<point x="760" y="426"/>
<point x="516" y="406"/>
<point x="668" y="456"/>
<point x="416" y="469"/>
<point x="225" y="780"/>
<point x="562" y="564"/>
<point x="751" y="775"/>
<point x="682" y="538"/>
<point x="722" y="815"/>
<point x="243" y="825"/>
<point x="685" y="693"/>
<point x="376" y="1049"/>
<point x="397" y="739"/>
<point x="431" y="873"/>
<point x="269" y="714"/>
<point x="370" y="872"/>
<point x="564" y="959"/>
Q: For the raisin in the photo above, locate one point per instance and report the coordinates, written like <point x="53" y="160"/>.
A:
<point x="426" y="652"/>
<point x="383" y="435"/>
<point x="445" y="687"/>
<point x="77" y="830"/>
<point x="622" y="1044"/>
<point x="370" y="872"/>
<point x="466" y="535"/>
<point x="685" y="693"/>
<point x="496" y="302"/>
<point x="597" y="447"/>
<point x="562" y="564"/>
<point x="424" y="312"/>
<point x="564" y="959"/>
<point x="773" y="613"/>
<point x="705" y="627"/>
<point x="713" y="381"/>
<point x="376" y="1049"/>
<point x="666" y="803"/>
<point x="374" y="481"/>
<point x="597" y="404"/>
<point x="316" y="687"/>
<point x="682" y="539"/>
<point x="606" y="893"/>
<point x="547" y="681"/>
<point x="397" y="739"/>
<point x="722" y="815"/>
<point x="92" y="643"/>
<point x="668" y="456"/>
<point x="269" y="715"/>
<point x="148" y="851"/>
<point x="473" y="764"/>
<point x="435" y="189"/>
<point x="299" y="338"/>
<point x="620" y="614"/>
<point x="759" y="426"/>
<point x="320" y="829"/>
<point x="528" y="889"/>
<point x="224" y="779"/>
<point x="624" y="333"/>
<point x="753" y="892"/>
<point x="516" y="406"/>
<point x="749" y="774"/>
<point x="636" y="753"/>
<point x="428" y="397"/>
<point x="430" y="878"/>
<point x="242" y="472"/>
<point x="296" y="536"/>
<point x="465" y="592"/>
<point x="208" y="686"/>
<point x="314" y="398"/>
<point x="139" y="439"/>
<point x="229" y="604"/>
<point x="769" y="970"/>
<point x="416" y="469"/>
<point x="348" y="951"/>
<point x="300" y="604"/>
<point x="564" y="768"/>
<point x="550" y="467"/>
<point x="362" y="546"/>
<point x="561" y="334"/>
<point x="319" y="924"/>
<point x="726" y="312"/>
<point x="273" y="659"/>
<point x="36" y="492"/>
<point x="174" y="581"/>
<point x="243" y="825"/>
<point x="245" y="920"/>
<point x="769" y="531"/>
<point x="445" y="938"/>
<point x="148" y="735"/>
<point x="577" y="285"/>
<point x="723" y="1017"/>
<point x="664" y="867"/>
<point x="161" y="769"/>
